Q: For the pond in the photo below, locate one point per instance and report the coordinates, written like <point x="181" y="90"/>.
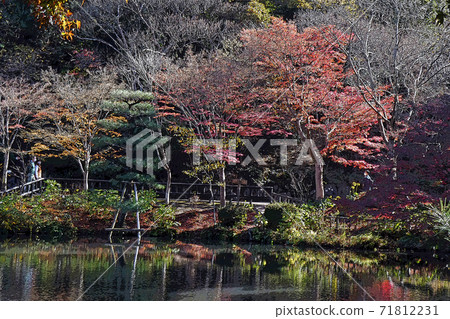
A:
<point x="91" y="269"/>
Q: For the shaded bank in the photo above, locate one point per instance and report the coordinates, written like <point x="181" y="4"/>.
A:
<point x="58" y="213"/>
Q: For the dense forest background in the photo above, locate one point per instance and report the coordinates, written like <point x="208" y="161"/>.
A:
<point x="368" y="81"/>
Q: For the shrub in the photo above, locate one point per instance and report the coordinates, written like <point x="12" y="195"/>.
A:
<point x="308" y="216"/>
<point x="101" y="203"/>
<point x="36" y="215"/>
<point x="105" y="198"/>
<point x="52" y="191"/>
<point x="366" y="241"/>
<point x="96" y="203"/>
<point x="164" y="217"/>
<point x="147" y="200"/>
<point x="441" y="216"/>
<point x="279" y="214"/>
<point x="56" y="227"/>
<point x="13" y="217"/>
<point x="234" y="215"/>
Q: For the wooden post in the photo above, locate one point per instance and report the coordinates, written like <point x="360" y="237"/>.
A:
<point x="320" y="193"/>
<point x="113" y="253"/>
<point x="239" y="192"/>
<point x="137" y="211"/>
<point x="118" y="211"/>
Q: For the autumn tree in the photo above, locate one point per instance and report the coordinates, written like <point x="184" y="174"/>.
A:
<point x="395" y="45"/>
<point x="215" y="101"/>
<point x="423" y="167"/>
<point x="69" y="127"/>
<point x="305" y="80"/>
<point x="19" y="101"/>
<point x="424" y="154"/>
<point x="280" y="77"/>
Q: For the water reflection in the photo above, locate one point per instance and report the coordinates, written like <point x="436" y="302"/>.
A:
<point x="180" y="271"/>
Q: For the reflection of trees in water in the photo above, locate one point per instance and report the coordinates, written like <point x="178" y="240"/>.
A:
<point x="186" y="271"/>
<point x="385" y="276"/>
<point x="63" y="271"/>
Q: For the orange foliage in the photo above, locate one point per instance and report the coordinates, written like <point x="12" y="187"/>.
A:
<point x="54" y="12"/>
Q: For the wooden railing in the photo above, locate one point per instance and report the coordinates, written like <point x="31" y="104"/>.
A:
<point x="27" y="189"/>
<point x="74" y="184"/>
<point x="233" y="192"/>
<point x="285" y="199"/>
<point x="178" y="190"/>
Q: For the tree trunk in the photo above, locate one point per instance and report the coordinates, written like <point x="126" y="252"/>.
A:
<point x="320" y="193"/>
<point x="5" y="169"/>
<point x="86" y="180"/>
<point x="222" y="186"/>
<point x="211" y="201"/>
<point x="211" y="192"/>
<point x="85" y="170"/>
<point x="394" y="168"/>
<point x="163" y="157"/>
<point x="168" y="184"/>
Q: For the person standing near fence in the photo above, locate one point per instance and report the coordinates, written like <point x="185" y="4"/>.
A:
<point x="38" y="170"/>
<point x="31" y="170"/>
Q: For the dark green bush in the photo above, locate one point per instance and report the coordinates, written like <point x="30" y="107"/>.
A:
<point x="308" y="216"/>
<point x="234" y="215"/>
<point x="277" y="214"/>
<point x="15" y="217"/>
<point x="52" y="228"/>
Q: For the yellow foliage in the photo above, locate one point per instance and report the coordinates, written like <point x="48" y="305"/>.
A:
<point x="53" y="12"/>
<point x="322" y="4"/>
<point x="258" y="12"/>
<point x="39" y="147"/>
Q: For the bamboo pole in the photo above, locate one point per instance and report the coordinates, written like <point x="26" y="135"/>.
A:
<point x="138" y="222"/>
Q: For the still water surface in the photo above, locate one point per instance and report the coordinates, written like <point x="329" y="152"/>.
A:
<point x="180" y="271"/>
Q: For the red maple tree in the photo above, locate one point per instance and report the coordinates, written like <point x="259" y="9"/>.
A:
<point x="423" y="169"/>
<point x="305" y="85"/>
<point x="281" y="78"/>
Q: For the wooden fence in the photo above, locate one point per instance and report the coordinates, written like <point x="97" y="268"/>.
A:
<point x="206" y="192"/>
<point x="27" y="189"/>
<point x="74" y="184"/>
<point x="285" y="199"/>
<point x="178" y="190"/>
